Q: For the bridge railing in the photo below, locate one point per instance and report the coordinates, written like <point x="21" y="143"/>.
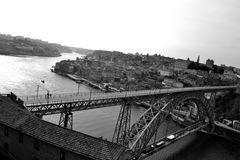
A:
<point x="82" y="96"/>
<point x="56" y="98"/>
<point x="61" y="98"/>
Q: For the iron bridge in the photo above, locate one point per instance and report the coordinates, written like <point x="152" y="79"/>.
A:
<point x="172" y="114"/>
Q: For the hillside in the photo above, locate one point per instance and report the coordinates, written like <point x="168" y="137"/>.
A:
<point x="19" y="45"/>
<point x="228" y="107"/>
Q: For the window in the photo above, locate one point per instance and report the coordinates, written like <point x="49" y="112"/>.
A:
<point x="62" y="155"/>
<point x="36" y="144"/>
<point x="6" y="131"/>
<point x="21" y="138"/>
<point x="5" y="146"/>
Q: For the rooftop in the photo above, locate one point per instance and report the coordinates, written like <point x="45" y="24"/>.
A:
<point x="22" y="120"/>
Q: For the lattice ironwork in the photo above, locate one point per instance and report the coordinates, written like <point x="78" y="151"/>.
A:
<point x="212" y="100"/>
<point x="179" y="134"/>
<point x="123" y="125"/>
<point x="66" y="120"/>
<point x="143" y="130"/>
<point x="54" y="107"/>
<point x="66" y="117"/>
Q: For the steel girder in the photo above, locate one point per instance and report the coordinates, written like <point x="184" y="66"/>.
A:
<point x="181" y="133"/>
<point x="140" y="124"/>
<point x="55" y="108"/>
<point x="47" y="108"/>
<point x="120" y="135"/>
<point x="141" y="132"/>
<point x="66" y="118"/>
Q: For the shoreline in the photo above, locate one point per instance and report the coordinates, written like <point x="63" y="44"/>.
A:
<point x="29" y="55"/>
<point x="78" y="79"/>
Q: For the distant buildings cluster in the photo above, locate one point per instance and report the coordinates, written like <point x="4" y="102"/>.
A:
<point x="137" y="71"/>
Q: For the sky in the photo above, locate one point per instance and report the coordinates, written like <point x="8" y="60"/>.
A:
<point x="174" y="28"/>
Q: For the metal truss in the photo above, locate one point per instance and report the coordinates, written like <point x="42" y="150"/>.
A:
<point x="120" y="135"/>
<point x="54" y="108"/>
<point x="139" y="142"/>
<point x="142" y="131"/>
<point x="140" y="124"/>
<point x="46" y="108"/>
<point x="212" y="100"/>
<point x="180" y="134"/>
<point x="66" y="118"/>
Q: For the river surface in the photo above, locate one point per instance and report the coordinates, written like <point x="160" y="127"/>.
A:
<point x="22" y="74"/>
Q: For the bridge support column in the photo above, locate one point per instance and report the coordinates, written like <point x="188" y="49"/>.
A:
<point x="120" y="135"/>
<point x="66" y="117"/>
<point x="39" y="116"/>
<point x="212" y="100"/>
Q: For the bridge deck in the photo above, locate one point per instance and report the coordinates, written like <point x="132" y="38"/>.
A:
<point x="22" y="120"/>
<point x="153" y="154"/>
<point x="63" y="98"/>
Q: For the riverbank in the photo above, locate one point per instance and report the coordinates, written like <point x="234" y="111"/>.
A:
<point x="78" y="79"/>
<point x="19" y="45"/>
<point x="101" y="87"/>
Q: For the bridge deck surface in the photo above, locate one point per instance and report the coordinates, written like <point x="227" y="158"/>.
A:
<point x="22" y="120"/>
<point x="61" y="98"/>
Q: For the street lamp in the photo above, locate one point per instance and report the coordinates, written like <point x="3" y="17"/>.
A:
<point x="90" y="94"/>
<point x="78" y="86"/>
<point x="48" y="96"/>
<point x="37" y="89"/>
<point x="38" y="86"/>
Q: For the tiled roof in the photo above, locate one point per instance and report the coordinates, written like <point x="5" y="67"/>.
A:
<point x="79" y="143"/>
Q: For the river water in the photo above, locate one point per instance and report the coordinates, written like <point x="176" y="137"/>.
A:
<point x="22" y="74"/>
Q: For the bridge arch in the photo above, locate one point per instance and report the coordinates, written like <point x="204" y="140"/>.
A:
<point x="194" y="100"/>
<point x="203" y="115"/>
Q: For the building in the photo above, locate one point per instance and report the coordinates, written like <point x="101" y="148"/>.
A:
<point x="26" y="137"/>
<point x="165" y="72"/>
<point x="236" y="70"/>
<point x="202" y="74"/>
<point x="19" y="38"/>
<point x="228" y="75"/>
<point x="191" y="71"/>
<point x="228" y="72"/>
<point x="181" y="64"/>
<point x="209" y="63"/>
<point x="168" y="82"/>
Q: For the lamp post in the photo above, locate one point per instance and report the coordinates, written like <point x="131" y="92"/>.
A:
<point x="48" y="96"/>
<point x="37" y="89"/>
<point x="78" y="87"/>
<point x="38" y="86"/>
<point x="90" y="94"/>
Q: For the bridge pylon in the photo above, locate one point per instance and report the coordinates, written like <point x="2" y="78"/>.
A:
<point x="120" y="135"/>
<point x="66" y="118"/>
